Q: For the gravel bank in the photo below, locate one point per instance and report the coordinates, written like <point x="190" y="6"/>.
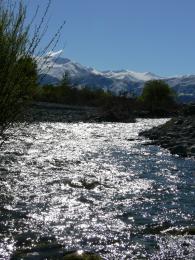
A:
<point x="177" y="135"/>
<point x="51" y="112"/>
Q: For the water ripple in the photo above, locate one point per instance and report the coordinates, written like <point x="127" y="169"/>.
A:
<point x="96" y="187"/>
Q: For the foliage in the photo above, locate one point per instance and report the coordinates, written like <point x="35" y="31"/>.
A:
<point x="18" y="70"/>
<point x="16" y="90"/>
<point x="66" y="93"/>
<point x="71" y="95"/>
<point x="157" y="94"/>
<point x="157" y="99"/>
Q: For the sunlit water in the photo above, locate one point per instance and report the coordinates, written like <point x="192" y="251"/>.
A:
<point x="98" y="188"/>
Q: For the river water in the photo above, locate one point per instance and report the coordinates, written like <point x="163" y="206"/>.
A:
<point x="97" y="188"/>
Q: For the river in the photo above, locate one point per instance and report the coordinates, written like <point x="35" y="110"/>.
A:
<point x="98" y="188"/>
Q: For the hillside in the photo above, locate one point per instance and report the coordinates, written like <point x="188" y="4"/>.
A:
<point x="53" y="66"/>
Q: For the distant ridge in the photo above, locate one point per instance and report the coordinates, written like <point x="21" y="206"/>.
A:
<point x="53" y="66"/>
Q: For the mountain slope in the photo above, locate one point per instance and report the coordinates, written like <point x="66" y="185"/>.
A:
<point x="52" y="67"/>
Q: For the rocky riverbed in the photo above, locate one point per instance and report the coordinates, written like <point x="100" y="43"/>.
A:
<point x="177" y="135"/>
<point x="52" y="112"/>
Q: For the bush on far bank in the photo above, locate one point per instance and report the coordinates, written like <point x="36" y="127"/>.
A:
<point x="158" y="97"/>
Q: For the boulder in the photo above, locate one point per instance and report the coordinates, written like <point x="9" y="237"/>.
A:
<point x="189" y="110"/>
<point x="177" y="135"/>
<point x="179" y="149"/>
<point x="192" y="149"/>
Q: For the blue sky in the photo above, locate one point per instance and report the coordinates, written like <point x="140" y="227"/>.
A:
<point x="139" y="35"/>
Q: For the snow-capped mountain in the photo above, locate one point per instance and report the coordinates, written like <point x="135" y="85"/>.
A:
<point x="52" y="68"/>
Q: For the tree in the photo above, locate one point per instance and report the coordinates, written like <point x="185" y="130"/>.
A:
<point x="157" y="95"/>
<point x="19" y="43"/>
<point x="65" y="92"/>
<point x="16" y="90"/>
<point x="65" y="80"/>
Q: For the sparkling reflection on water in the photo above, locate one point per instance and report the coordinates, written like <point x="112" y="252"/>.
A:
<point x="98" y="188"/>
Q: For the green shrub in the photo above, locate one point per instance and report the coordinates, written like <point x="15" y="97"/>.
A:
<point x="157" y="95"/>
<point x="18" y="71"/>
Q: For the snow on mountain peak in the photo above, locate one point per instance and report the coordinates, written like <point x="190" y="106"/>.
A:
<point x="54" y="54"/>
<point x="53" y="65"/>
<point x="59" y="65"/>
<point x="131" y="75"/>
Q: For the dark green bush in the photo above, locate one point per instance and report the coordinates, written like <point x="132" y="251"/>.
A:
<point x="157" y="95"/>
<point x="18" y="71"/>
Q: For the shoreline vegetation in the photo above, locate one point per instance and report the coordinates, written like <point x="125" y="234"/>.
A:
<point x="20" y="49"/>
<point x="67" y="103"/>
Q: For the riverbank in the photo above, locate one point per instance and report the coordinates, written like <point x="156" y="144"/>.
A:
<point x="53" y="112"/>
<point x="177" y="135"/>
